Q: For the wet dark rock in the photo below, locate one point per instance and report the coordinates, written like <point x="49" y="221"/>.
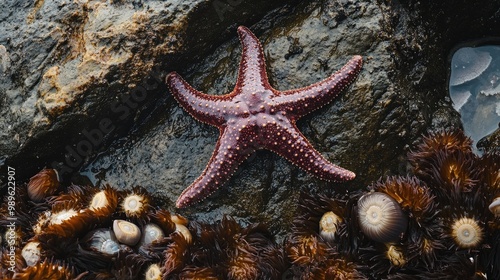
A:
<point x="65" y="66"/>
<point x="400" y="94"/>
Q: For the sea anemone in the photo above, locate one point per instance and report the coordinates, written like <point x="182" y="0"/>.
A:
<point x="412" y="195"/>
<point x="176" y="254"/>
<point x="466" y="232"/>
<point x="464" y="220"/>
<point x="225" y="249"/>
<point x="381" y="218"/>
<point x="336" y="269"/>
<point x="65" y="219"/>
<point x="44" y="183"/>
<point x="328" y="225"/>
<point x="151" y="233"/>
<point x="47" y="270"/>
<point x="103" y="241"/>
<point x="103" y="203"/>
<point x="449" y="140"/>
<point x="417" y="200"/>
<point x="135" y="204"/>
<point x="305" y="250"/>
<point x="153" y="272"/>
<point x="163" y="219"/>
<point x="126" y="232"/>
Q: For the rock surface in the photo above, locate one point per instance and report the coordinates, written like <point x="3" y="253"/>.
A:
<point x="64" y="98"/>
<point x="67" y="65"/>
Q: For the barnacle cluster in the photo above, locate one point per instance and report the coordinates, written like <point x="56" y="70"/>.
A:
<point x="440" y="222"/>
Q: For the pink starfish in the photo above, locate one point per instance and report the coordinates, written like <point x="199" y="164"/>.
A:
<point x="256" y="116"/>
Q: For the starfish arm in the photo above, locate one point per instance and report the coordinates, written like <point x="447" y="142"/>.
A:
<point x="286" y="140"/>
<point x="203" y="107"/>
<point x="299" y="102"/>
<point x="230" y="151"/>
<point x="252" y="74"/>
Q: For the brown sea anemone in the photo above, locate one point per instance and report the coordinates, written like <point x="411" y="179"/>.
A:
<point x="306" y="249"/>
<point x="103" y="203"/>
<point x="47" y="270"/>
<point x="381" y="218"/>
<point x="66" y="220"/>
<point x="226" y="249"/>
<point x="434" y="142"/>
<point x="45" y="183"/>
<point x="163" y="219"/>
<point x="135" y="204"/>
<point x="411" y="194"/>
<point x="176" y="254"/>
<point x="336" y="269"/>
<point x="383" y="259"/>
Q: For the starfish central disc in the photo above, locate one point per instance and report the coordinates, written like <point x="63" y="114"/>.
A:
<point x="256" y="116"/>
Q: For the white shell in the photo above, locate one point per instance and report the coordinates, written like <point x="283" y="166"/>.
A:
<point x="31" y="253"/>
<point x="126" y="232"/>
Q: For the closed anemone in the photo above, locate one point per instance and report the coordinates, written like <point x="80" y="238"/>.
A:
<point x="381" y="217"/>
<point x="103" y="241"/>
<point x="466" y="233"/>
<point x="328" y="225"/>
<point x="151" y="233"/>
<point x="126" y="232"/>
<point x="153" y="272"/>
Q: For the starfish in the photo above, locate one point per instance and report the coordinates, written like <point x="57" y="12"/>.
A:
<point x="256" y="116"/>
